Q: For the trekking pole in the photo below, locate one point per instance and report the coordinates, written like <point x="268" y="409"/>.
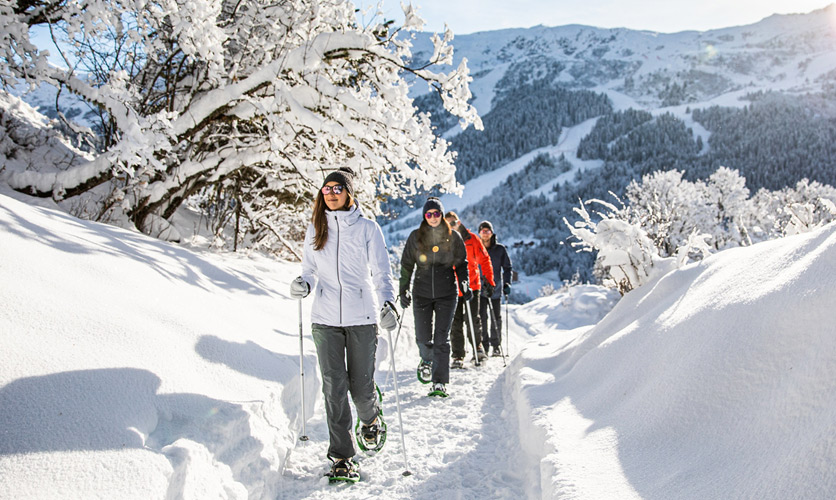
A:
<point x="392" y="361"/>
<point x="507" y="337"/>
<point x="499" y="330"/>
<point x="398" y="399"/>
<point x="472" y="331"/>
<point x="304" y="436"/>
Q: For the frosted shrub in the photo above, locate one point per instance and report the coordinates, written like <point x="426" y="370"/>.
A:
<point x="672" y="221"/>
<point x="624" y="250"/>
<point x="547" y="290"/>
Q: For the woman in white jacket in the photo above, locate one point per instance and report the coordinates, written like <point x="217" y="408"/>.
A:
<point x="346" y="263"/>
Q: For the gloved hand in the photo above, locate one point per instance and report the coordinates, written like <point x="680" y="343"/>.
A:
<point x="388" y="316"/>
<point x="464" y="286"/>
<point x="299" y="288"/>
<point x="405" y="298"/>
<point x="488" y="289"/>
<point x="507" y="289"/>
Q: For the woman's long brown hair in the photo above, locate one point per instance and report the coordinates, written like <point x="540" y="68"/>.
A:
<point x="320" y="222"/>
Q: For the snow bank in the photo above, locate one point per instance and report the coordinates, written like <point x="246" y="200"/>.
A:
<point x="134" y="368"/>
<point x="716" y="381"/>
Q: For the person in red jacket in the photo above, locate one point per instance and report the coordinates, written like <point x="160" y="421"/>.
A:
<point x="477" y="257"/>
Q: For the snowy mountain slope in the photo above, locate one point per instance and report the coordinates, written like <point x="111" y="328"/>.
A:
<point x="788" y="58"/>
<point x="793" y="52"/>
<point x="716" y="381"/>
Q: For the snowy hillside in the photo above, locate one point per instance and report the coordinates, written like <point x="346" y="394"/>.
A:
<point x="792" y="52"/>
<point x="757" y="99"/>
<point x="140" y="369"/>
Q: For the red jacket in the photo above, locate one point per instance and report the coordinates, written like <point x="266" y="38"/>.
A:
<point x="477" y="257"/>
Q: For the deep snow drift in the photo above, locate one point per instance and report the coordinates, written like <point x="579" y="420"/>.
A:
<point x="716" y="381"/>
<point x="139" y="369"/>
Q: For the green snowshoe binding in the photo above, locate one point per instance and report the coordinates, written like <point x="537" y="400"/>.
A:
<point x="425" y="372"/>
<point x="438" y="391"/>
<point x="371" y="438"/>
<point x="343" y="469"/>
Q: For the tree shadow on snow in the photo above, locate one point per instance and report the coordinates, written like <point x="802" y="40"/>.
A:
<point x="110" y="240"/>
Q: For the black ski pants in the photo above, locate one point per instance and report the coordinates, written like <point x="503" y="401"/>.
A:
<point x="493" y="335"/>
<point x="346" y="361"/>
<point x="434" y="339"/>
<point x="460" y="320"/>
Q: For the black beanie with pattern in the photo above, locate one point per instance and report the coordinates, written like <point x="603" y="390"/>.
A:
<point x="344" y="176"/>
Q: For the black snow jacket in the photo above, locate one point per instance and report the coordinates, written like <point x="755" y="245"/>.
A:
<point x="434" y="266"/>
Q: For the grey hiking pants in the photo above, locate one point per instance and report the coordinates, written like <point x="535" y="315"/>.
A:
<point x="346" y="362"/>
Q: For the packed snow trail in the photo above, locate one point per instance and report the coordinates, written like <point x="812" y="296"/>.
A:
<point x="463" y="446"/>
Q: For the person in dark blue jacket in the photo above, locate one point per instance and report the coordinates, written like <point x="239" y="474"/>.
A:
<point x="436" y="255"/>
<point x="501" y="266"/>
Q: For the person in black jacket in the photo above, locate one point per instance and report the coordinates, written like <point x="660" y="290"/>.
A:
<point x="437" y="256"/>
<point x="501" y="266"/>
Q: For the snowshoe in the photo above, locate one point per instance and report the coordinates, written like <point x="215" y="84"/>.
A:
<point x="457" y="363"/>
<point x="480" y="355"/>
<point x="497" y="352"/>
<point x="438" y="390"/>
<point x="371" y="438"/>
<point x="343" y="469"/>
<point x="425" y="372"/>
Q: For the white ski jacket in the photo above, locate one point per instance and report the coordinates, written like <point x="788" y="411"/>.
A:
<point x="350" y="275"/>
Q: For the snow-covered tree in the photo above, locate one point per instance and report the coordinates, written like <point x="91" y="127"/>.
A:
<point x="726" y="198"/>
<point x="256" y="100"/>
<point x="669" y="220"/>
<point x="664" y="205"/>
<point x="625" y="251"/>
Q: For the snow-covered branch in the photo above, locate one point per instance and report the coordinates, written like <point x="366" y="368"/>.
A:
<point x="285" y="91"/>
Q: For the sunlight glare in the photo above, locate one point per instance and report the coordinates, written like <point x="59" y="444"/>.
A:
<point x="831" y="9"/>
<point x="710" y="52"/>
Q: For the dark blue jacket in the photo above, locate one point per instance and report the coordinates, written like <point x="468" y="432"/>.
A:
<point x="501" y="262"/>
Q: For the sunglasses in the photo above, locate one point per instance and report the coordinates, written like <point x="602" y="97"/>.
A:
<point x="485" y="230"/>
<point x="337" y="189"/>
<point x="432" y="214"/>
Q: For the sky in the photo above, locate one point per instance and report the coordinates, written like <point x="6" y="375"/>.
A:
<point x="139" y="369"/>
<point x="665" y="16"/>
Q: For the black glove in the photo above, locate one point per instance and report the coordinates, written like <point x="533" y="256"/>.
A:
<point x="464" y="286"/>
<point x="507" y="289"/>
<point x="489" y="290"/>
<point x="405" y="298"/>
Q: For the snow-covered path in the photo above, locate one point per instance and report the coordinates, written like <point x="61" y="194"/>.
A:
<point x="464" y="446"/>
